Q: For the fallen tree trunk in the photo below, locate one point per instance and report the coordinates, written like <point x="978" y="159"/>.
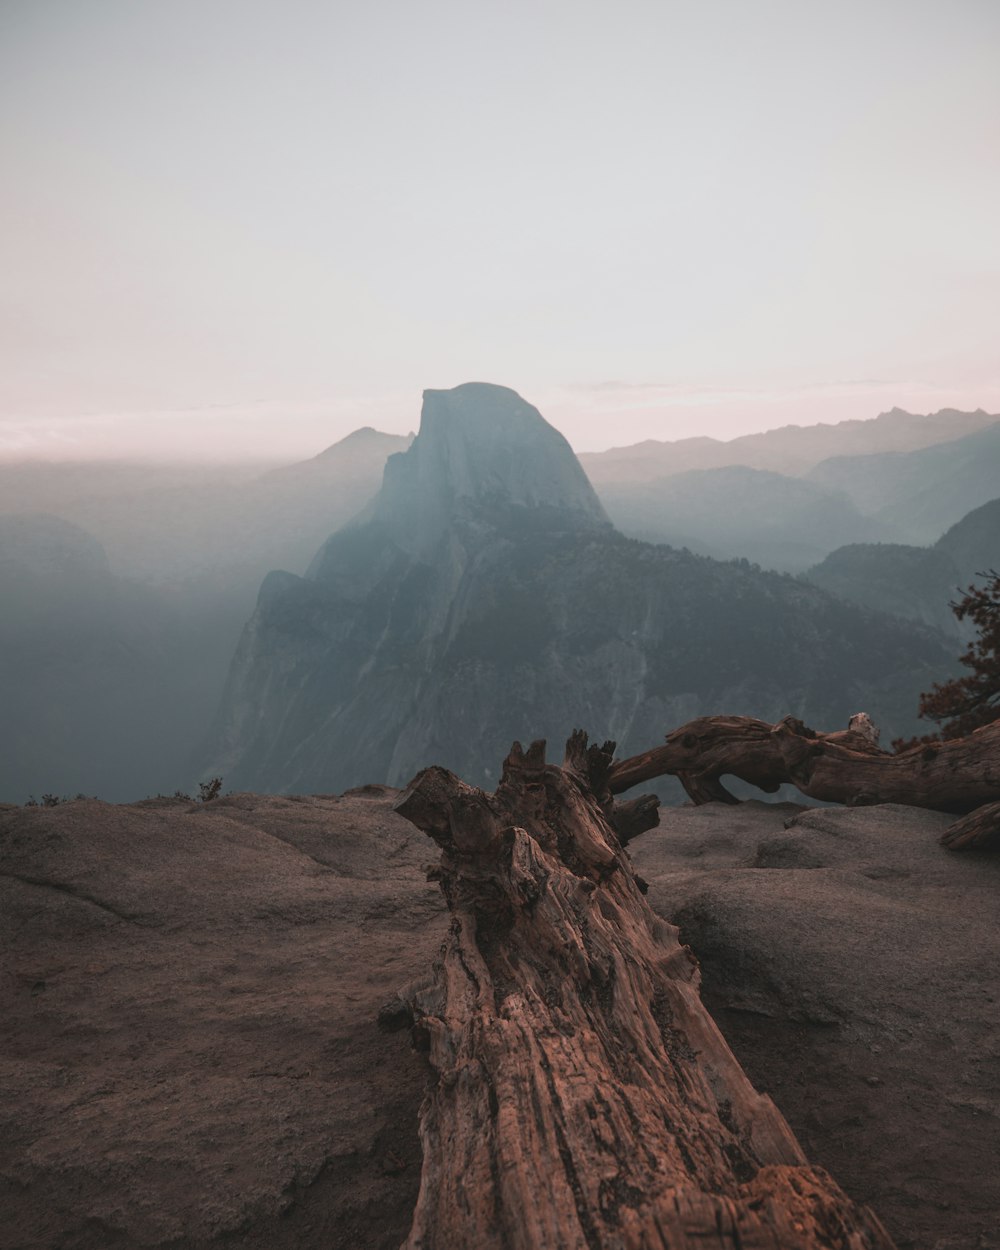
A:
<point x="977" y="831"/>
<point x="959" y="775"/>
<point x="582" y="1096"/>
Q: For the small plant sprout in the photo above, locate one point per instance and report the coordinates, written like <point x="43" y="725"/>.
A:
<point x="209" y="790"/>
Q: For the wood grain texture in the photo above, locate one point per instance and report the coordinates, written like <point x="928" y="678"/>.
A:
<point x="978" y="831"/>
<point x="958" y="775"/>
<point x="582" y="1096"/>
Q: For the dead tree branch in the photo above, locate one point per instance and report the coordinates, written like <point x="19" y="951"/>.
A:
<point x="959" y="775"/>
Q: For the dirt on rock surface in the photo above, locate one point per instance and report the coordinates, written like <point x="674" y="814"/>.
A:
<point x="188" y="1045"/>
<point x="854" y="968"/>
<point x="188" y="992"/>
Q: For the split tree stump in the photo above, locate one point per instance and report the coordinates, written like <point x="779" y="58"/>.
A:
<point x="582" y="1097"/>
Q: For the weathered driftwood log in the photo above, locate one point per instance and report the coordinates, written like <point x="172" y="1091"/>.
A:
<point x="582" y="1096"/>
<point x="977" y="831"/>
<point x="635" y="816"/>
<point x="958" y="776"/>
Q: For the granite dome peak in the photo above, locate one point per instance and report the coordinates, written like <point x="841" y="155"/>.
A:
<point x="482" y="450"/>
<point x="484" y="591"/>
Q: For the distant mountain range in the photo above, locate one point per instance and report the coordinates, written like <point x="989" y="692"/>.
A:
<point x="974" y="542"/>
<point x="738" y="503"/>
<point x="792" y="449"/>
<point x="183" y="551"/>
<point x="484" y="595"/>
<point x="916" y="582"/>
<point x="920" y="493"/>
<point x="776" y="521"/>
<point x="228" y="523"/>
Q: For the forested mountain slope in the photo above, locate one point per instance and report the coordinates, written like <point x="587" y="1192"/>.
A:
<point x="485" y="596"/>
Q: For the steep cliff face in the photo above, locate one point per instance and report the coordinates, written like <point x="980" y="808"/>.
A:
<point x="181" y="980"/>
<point x="483" y="458"/>
<point x="484" y="596"/>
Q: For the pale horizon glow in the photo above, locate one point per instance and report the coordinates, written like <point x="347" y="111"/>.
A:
<point x="593" y="419"/>
<point x="241" y="228"/>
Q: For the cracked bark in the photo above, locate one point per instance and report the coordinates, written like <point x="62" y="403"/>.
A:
<point x="960" y="775"/>
<point x="980" y="830"/>
<point x="582" y="1096"/>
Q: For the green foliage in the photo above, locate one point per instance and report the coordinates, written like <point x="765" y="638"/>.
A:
<point x="967" y="703"/>
<point x="209" y="790"/>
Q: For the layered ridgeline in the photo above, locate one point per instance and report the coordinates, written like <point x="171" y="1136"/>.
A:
<point x="211" y="525"/>
<point x="787" y="498"/>
<point x="792" y="450"/>
<point x="773" y="520"/>
<point x="484" y="596"/>
<point x="917" y="582"/>
<point x="920" y="493"/>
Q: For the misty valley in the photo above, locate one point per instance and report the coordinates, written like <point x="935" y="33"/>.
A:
<point x="246" y="705"/>
<point x="311" y="627"/>
<point x="559" y="811"/>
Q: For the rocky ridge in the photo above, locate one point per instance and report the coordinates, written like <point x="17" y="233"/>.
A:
<point x="189" y="1051"/>
<point x="484" y="595"/>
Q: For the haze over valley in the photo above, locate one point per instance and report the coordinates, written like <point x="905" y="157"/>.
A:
<point x="146" y="577"/>
<point x="315" y="634"/>
<point x="499" y="625"/>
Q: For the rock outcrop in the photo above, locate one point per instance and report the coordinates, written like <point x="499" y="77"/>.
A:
<point x="485" y="455"/>
<point x="483" y="595"/>
<point x="188" y="1048"/>
<point x="849" y="963"/>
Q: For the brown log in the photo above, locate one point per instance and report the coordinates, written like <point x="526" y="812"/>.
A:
<point x="978" y="831"/>
<point x="635" y="816"/>
<point x="957" y="776"/>
<point x="582" y="1096"/>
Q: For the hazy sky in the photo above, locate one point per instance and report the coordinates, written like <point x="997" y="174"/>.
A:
<point x="254" y="225"/>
